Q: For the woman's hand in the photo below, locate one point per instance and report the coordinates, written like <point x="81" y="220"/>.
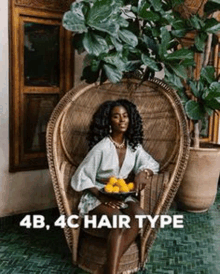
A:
<point x="141" y="178"/>
<point x="108" y="201"/>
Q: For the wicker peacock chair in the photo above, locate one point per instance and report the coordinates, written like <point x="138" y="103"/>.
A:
<point x="165" y="138"/>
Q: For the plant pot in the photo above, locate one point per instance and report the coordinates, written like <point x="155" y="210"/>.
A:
<point x="198" y="188"/>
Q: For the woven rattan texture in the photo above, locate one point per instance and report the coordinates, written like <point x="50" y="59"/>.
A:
<point x="165" y="137"/>
<point x="159" y="121"/>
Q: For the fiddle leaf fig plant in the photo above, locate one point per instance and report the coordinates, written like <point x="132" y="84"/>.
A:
<point x="122" y="36"/>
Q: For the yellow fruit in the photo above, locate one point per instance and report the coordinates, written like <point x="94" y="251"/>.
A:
<point x="121" y="182"/>
<point x="108" y="188"/>
<point x="112" y="180"/>
<point x="124" y="188"/>
<point x="130" y="186"/>
<point x="115" y="189"/>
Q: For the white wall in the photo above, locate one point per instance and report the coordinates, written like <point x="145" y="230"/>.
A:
<point x="21" y="191"/>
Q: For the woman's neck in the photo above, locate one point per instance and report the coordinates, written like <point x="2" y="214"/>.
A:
<point x="117" y="137"/>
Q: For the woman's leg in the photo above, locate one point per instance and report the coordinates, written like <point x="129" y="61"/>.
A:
<point x="119" y="239"/>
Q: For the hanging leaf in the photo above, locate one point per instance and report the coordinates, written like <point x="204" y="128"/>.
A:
<point x="208" y="74"/>
<point x="128" y="37"/>
<point x="194" y="89"/>
<point x="200" y="41"/>
<point x="74" y="20"/>
<point x="115" y="60"/>
<point x="149" y="62"/>
<point x="95" y="44"/>
<point x="179" y="70"/>
<point x="180" y="54"/>
<point x="143" y="5"/>
<point x="116" y="43"/>
<point x="212" y="26"/>
<point x="165" y="40"/>
<point x="173" y="80"/>
<point x="102" y="16"/>
<point x="113" y="74"/>
<point x="157" y="4"/>
<point x="194" y="110"/>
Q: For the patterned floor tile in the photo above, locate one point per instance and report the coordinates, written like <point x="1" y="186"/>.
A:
<point x="194" y="249"/>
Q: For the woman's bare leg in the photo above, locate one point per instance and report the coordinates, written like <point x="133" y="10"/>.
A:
<point x="119" y="239"/>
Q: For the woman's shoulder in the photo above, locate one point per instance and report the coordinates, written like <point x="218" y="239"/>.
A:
<point x="103" y="144"/>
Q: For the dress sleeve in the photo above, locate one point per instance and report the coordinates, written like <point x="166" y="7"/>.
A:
<point x="85" y="175"/>
<point x="144" y="160"/>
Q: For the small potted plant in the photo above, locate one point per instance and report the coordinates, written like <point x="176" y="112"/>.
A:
<point x="145" y="37"/>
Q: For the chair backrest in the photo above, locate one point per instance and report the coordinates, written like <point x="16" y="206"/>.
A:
<point x="164" y="124"/>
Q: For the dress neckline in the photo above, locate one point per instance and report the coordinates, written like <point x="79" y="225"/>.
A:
<point x="117" y="156"/>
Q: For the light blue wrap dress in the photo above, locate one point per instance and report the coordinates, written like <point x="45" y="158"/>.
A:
<point x="101" y="163"/>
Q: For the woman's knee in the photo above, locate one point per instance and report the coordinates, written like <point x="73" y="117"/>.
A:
<point x="135" y="209"/>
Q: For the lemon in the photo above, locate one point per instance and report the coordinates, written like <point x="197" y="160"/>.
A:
<point x="121" y="182"/>
<point x="115" y="189"/>
<point x="109" y="188"/>
<point x="112" y="180"/>
<point x="124" y="188"/>
<point x="130" y="186"/>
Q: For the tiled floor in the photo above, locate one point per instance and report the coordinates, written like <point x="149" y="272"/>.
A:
<point x="194" y="249"/>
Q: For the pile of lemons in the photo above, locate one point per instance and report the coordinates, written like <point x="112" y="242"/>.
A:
<point x="115" y="185"/>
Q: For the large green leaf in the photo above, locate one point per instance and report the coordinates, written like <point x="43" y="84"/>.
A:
<point x="196" y="22"/>
<point x="116" y="43"/>
<point x="194" y="89"/>
<point x="74" y="20"/>
<point x="212" y="26"/>
<point x="133" y="65"/>
<point x="165" y="40"/>
<point x="213" y="104"/>
<point x="102" y="16"/>
<point x="128" y="37"/>
<point x="149" y="62"/>
<point x="143" y="5"/>
<point x="179" y="70"/>
<point x="213" y="92"/>
<point x="157" y="4"/>
<point x="208" y="74"/>
<point x="151" y="16"/>
<point x="194" y="110"/>
<point x="179" y="32"/>
<point x="200" y="40"/>
<point x="180" y="54"/>
<point x="95" y="44"/>
<point x="115" y="60"/>
<point x="172" y="79"/>
<point x="113" y="74"/>
<point x="150" y="43"/>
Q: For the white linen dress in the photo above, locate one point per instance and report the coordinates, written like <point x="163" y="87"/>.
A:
<point x="102" y="162"/>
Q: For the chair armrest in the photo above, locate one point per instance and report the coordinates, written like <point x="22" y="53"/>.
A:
<point x="149" y="196"/>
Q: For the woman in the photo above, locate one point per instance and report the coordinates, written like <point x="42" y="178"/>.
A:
<point x="115" y="139"/>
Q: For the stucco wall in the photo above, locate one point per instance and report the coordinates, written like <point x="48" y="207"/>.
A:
<point x="20" y="191"/>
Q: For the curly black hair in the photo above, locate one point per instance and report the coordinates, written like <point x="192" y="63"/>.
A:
<point x="99" y="127"/>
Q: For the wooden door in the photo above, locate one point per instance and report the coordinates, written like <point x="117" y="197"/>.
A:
<point x="41" y="71"/>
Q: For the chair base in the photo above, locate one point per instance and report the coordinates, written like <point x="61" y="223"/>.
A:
<point x="92" y="256"/>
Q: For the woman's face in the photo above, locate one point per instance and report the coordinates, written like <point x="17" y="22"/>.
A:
<point x="119" y="119"/>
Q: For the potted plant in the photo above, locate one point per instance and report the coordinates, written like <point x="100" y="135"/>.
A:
<point x="147" y="36"/>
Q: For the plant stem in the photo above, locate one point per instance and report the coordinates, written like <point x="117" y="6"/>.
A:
<point x="208" y="50"/>
<point x="196" y="134"/>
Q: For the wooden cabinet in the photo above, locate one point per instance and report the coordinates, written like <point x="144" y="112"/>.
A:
<point x="41" y="71"/>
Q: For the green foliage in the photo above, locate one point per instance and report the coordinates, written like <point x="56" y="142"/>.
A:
<point x="126" y="35"/>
